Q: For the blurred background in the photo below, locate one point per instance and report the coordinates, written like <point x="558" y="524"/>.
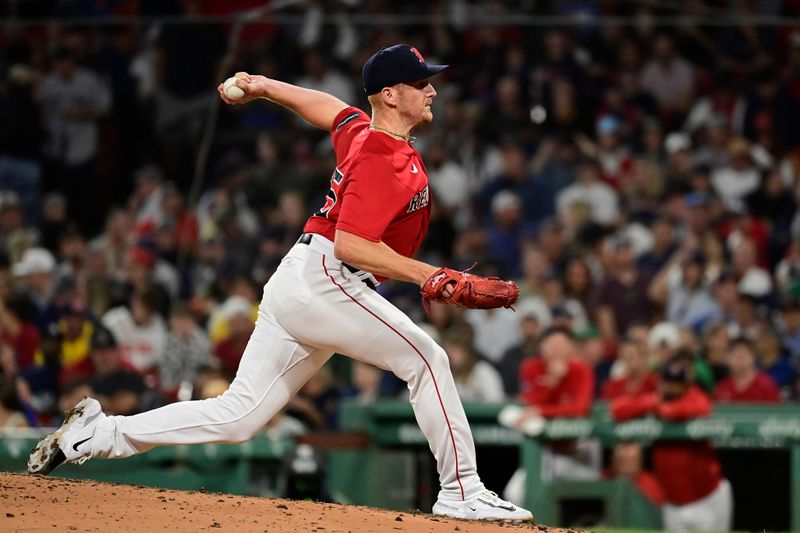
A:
<point x="634" y="166"/>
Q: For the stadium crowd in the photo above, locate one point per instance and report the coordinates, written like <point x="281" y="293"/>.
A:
<point x="639" y="182"/>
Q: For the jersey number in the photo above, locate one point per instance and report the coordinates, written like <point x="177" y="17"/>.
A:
<point x="330" y="198"/>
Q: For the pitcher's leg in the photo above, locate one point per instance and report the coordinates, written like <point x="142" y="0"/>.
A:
<point x="416" y="359"/>
<point x="349" y="318"/>
<point x="272" y="369"/>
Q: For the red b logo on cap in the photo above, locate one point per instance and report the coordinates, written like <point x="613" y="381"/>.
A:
<point x="419" y="56"/>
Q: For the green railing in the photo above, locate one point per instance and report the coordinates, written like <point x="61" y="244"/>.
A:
<point x="386" y="472"/>
<point x="392" y="426"/>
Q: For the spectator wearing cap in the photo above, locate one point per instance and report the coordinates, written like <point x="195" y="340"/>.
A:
<point x="139" y="330"/>
<point x="115" y="385"/>
<point x="753" y="279"/>
<point x="562" y="308"/>
<point x="187" y="351"/>
<point x="698" y="497"/>
<point x="35" y="269"/>
<point x="739" y="178"/>
<point x="621" y="296"/>
<point x="745" y="382"/>
<point x="76" y="328"/>
<point x="228" y="351"/>
<point x="635" y="378"/>
<point x="682" y="288"/>
<point x="678" y="147"/>
<point x="506" y="232"/>
<point x="588" y="199"/>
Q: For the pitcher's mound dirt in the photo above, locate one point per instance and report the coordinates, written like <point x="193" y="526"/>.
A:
<point x="30" y="503"/>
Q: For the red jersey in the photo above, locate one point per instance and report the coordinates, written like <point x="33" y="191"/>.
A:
<point x="614" y="388"/>
<point x="761" y="389"/>
<point x="687" y="470"/>
<point x="571" y="397"/>
<point x="379" y="190"/>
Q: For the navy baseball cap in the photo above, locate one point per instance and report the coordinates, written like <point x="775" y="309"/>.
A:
<point x="396" y="64"/>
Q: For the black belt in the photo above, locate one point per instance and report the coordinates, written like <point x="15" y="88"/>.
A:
<point x="305" y="238"/>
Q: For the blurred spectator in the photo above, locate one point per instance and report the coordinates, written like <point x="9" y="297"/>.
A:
<point x="317" y="402"/>
<point x="187" y="351"/>
<point x="534" y="318"/>
<point x="635" y="377"/>
<point x="715" y="348"/>
<point x="774" y="361"/>
<point x="74" y="99"/>
<point x="745" y="382"/>
<point x="114" y="242"/>
<point x="681" y="286"/>
<point x="145" y="202"/>
<point x="18" y="331"/>
<point x="628" y="462"/>
<point x="506" y="232"/>
<point x="11" y="416"/>
<point x="116" y="387"/>
<point x="621" y="297"/>
<point x="495" y="331"/>
<point x="588" y="199"/>
<point x="662" y="249"/>
<point x="668" y="77"/>
<point x="739" y="178"/>
<point x="476" y="380"/>
<point x="366" y="381"/>
<point x="321" y="77"/>
<point x="35" y="269"/>
<point x="15" y="236"/>
<point x="556" y="383"/>
<point x="76" y="329"/>
<point x="698" y="497"/>
<point x="139" y="330"/>
<point x="754" y="280"/>
<point x="229" y="350"/>
<point x="578" y="282"/>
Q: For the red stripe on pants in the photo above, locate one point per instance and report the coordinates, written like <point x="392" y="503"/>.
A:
<point x="436" y="386"/>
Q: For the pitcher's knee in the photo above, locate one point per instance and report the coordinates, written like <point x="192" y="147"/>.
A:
<point x="238" y="417"/>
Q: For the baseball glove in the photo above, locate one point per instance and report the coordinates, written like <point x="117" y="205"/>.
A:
<point x="468" y="290"/>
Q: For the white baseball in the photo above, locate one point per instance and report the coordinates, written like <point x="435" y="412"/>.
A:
<point x="231" y="90"/>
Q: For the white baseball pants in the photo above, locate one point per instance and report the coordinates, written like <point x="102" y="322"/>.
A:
<point x="712" y="513"/>
<point x="312" y="307"/>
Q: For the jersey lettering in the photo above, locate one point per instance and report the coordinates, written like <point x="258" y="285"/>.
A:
<point x="331" y="197"/>
<point x="419" y="201"/>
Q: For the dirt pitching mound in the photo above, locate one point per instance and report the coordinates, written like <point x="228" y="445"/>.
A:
<point x="31" y="503"/>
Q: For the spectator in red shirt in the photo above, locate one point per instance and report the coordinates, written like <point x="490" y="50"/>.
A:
<point x="229" y="350"/>
<point x="698" y="497"/>
<point x="745" y="382"/>
<point x="636" y="379"/>
<point x="557" y="384"/>
<point x="18" y="332"/>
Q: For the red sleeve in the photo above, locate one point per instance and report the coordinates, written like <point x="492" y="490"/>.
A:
<point x="578" y="388"/>
<point x="633" y="406"/>
<point x="648" y="485"/>
<point x="372" y="197"/>
<point x="348" y="123"/>
<point x="529" y="372"/>
<point x="693" y="404"/>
